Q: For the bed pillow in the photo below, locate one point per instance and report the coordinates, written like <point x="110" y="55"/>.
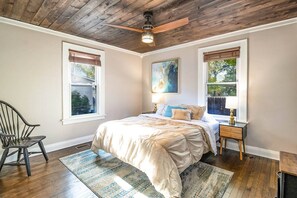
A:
<point x="181" y="114"/>
<point x="160" y="109"/>
<point x="197" y="111"/>
<point x="168" y="110"/>
<point x="208" y="118"/>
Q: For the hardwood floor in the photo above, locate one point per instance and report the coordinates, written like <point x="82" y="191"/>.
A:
<point x="253" y="176"/>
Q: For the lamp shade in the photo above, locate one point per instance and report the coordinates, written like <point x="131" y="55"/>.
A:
<point x="231" y="103"/>
<point x="147" y="37"/>
<point x="156" y="98"/>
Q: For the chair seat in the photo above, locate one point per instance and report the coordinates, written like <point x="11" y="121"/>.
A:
<point x="26" y="142"/>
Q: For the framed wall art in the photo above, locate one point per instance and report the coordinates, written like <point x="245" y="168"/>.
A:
<point x="165" y="76"/>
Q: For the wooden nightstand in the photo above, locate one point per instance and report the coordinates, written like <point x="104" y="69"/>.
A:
<point x="237" y="132"/>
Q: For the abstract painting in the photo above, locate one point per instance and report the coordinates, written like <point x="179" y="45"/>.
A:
<point x="165" y="76"/>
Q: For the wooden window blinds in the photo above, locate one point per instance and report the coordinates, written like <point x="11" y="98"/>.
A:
<point x="221" y="54"/>
<point x="83" y="57"/>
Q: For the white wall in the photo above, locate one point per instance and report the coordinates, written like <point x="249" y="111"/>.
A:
<point x="31" y="80"/>
<point x="272" y="85"/>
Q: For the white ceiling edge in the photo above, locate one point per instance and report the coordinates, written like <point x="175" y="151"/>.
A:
<point x="192" y="43"/>
<point x="222" y="36"/>
<point x="64" y="35"/>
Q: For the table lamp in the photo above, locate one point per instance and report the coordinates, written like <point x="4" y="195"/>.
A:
<point x="155" y="101"/>
<point x="231" y="103"/>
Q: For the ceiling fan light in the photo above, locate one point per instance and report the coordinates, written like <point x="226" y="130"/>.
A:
<point x="147" y="37"/>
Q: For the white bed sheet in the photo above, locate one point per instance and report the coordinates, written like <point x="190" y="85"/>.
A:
<point x="214" y="126"/>
<point x="211" y="128"/>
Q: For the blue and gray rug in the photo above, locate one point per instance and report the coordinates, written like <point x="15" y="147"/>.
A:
<point x="108" y="176"/>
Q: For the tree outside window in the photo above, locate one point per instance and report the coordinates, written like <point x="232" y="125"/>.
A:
<point x="83" y="89"/>
<point x="221" y="82"/>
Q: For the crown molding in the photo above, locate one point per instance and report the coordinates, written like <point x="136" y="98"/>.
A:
<point x="223" y="36"/>
<point x="64" y="35"/>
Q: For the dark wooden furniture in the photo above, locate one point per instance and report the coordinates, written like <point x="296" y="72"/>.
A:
<point x="287" y="182"/>
<point x="15" y="133"/>
<point x="237" y="132"/>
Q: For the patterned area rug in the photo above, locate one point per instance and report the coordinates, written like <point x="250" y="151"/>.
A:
<point x="108" y="176"/>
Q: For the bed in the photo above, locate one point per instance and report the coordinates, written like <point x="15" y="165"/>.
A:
<point x="159" y="146"/>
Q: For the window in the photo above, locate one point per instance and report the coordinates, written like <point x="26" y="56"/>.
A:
<point x="222" y="71"/>
<point x="83" y="84"/>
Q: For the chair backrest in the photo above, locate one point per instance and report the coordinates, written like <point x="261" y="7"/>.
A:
<point x="13" y="123"/>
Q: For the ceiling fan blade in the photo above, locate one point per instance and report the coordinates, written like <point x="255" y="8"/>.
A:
<point x="126" y="28"/>
<point x="170" y="26"/>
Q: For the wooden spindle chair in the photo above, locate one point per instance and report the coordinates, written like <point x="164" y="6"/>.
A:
<point x="15" y="133"/>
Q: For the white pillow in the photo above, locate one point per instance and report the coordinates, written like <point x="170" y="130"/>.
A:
<point x="208" y="118"/>
<point x="160" y="109"/>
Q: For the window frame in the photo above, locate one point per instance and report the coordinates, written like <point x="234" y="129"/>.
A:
<point x="99" y="80"/>
<point x="241" y="77"/>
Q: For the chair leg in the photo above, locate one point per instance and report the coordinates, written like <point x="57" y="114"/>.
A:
<point x="43" y="150"/>
<point x="19" y="154"/>
<point x="26" y="157"/>
<point x="3" y="158"/>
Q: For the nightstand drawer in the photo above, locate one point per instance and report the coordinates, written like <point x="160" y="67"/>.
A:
<point x="232" y="132"/>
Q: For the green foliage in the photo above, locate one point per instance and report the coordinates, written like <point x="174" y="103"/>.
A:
<point x="80" y="104"/>
<point x="88" y="70"/>
<point x="221" y="71"/>
<point x="221" y="90"/>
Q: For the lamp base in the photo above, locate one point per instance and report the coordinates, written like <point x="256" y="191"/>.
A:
<point x="155" y="108"/>
<point x="232" y="120"/>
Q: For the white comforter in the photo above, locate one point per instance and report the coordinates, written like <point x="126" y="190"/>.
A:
<point x="160" y="147"/>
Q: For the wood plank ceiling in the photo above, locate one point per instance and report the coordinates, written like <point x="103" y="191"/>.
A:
<point x="86" y="18"/>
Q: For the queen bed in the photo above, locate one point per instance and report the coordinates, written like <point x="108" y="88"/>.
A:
<point x="157" y="145"/>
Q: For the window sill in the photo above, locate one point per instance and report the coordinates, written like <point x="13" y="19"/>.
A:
<point x="82" y="118"/>
<point x="221" y="118"/>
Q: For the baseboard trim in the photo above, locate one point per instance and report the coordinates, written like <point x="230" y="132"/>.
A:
<point x="254" y="150"/>
<point x="56" y="146"/>
<point x="68" y="143"/>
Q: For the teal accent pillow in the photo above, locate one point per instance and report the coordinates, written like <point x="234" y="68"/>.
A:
<point x="168" y="111"/>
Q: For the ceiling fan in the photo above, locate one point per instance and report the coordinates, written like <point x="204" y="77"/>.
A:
<point x="148" y="30"/>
